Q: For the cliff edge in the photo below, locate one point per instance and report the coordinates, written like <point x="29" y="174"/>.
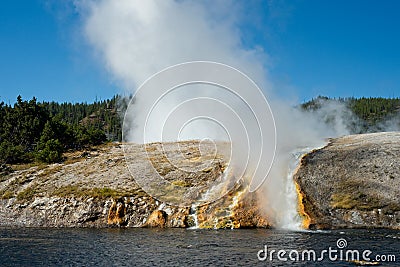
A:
<point x="353" y="182"/>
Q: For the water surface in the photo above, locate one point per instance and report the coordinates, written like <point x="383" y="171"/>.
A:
<point x="180" y="247"/>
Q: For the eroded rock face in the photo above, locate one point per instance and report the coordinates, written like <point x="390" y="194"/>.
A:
<point x="353" y="182"/>
<point x="247" y="213"/>
<point x="238" y="209"/>
<point x="54" y="212"/>
<point x="116" y="213"/>
<point x="157" y="218"/>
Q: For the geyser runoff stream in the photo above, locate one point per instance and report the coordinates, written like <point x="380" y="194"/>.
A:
<point x="290" y="218"/>
<point x="135" y="39"/>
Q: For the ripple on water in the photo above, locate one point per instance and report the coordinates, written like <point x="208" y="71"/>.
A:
<point x="174" y="247"/>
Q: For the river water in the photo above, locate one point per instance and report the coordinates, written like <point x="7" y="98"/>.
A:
<point x="183" y="247"/>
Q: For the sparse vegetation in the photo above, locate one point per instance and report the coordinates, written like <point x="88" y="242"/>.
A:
<point x="49" y="170"/>
<point x="68" y="191"/>
<point x="27" y="194"/>
<point x="7" y="194"/>
<point x="100" y="193"/>
<point x="350" y="195"/>
<point x="105" y="193"/>
<point x="181" y="183"/>
<point x="355" y="200"/>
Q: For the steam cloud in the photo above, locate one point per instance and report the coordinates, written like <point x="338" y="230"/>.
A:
<point x="136" y="39"/>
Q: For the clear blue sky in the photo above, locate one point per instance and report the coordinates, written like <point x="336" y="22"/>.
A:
<point x="316" y="47"/>
<point x="41" y="56"/>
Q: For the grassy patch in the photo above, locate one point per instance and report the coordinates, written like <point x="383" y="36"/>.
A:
<point x="343" y="201"/>
<point x="354" y="200"/>
<point x="6" y="194"/>
<point x="24" y="166"/>
<point x="27" y="194"/>
<point x="19" y="181"/>
<point x="69" y="190"/>
<point x="100" y="193"/>
<point x="72" y="160"/>
<point x="105" y="192"/>
<point x="181" y="183"/>
<point x="50" y="170"/>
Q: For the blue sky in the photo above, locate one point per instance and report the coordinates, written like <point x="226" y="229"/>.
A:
<point x="41" y="56"/>
<point x="334" y="48"/>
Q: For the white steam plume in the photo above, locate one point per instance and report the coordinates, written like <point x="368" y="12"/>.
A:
<point x="298" y="132"/>
<point x="135" y="39"/>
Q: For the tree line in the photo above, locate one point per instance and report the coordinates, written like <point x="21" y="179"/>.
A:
<point x="32" y="131"/>
<point x="372" y="114"/>
<point x="43" y="131"/>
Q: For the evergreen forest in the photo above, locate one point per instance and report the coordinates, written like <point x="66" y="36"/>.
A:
<point x="32" y="131"/>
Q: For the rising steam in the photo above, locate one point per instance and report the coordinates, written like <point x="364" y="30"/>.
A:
<point x="136" y="39"/>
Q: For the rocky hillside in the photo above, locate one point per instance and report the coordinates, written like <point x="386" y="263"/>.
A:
<point x="352" y="182"/>
<point x="96" y="189"/>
